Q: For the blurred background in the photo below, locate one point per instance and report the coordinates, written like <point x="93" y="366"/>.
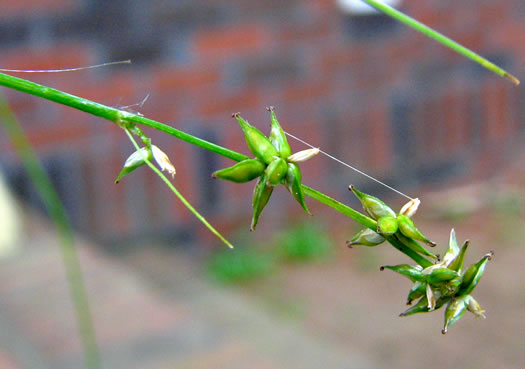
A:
<point x="359" y="85"/>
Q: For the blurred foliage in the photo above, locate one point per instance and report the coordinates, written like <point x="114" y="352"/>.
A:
<point x="507" y="202"/>
<point x="239" y="264"/>
<point x="303" y="242"/>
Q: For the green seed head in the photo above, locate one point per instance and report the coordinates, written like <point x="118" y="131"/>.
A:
<point x="387" y="225"/>
<point x="417" y="290"/>
<point x="278" y="137"/>
<point x="366" y="237"/>
<point x="412" y="272"/>
<point x="453" y="248"/>
<point x="473" y="274"/>
<point x="242" y="172"/>
<point x="407" y="228"/>
<point x="455" y="310"/>
<point x="372" y="205"/>
<point x="261" y="195"/>
<point x="293" y="184"/>
<point x="276" y="171"/>
<point x="257" y="142"/>
<point x="457" y="263"/>
<point x="134" y="161"/>
<point x="438" y="276"/>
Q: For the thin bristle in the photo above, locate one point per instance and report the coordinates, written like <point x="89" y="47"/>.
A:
<point x="63" y="70"/>
<point x="512" y="78"/>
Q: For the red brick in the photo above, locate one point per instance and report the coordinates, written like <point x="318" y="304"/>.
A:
<point x="184" y="78"/>
<point x="185" y="180"/>
<point x="57" y="56"/>
<point x="472" y="40"/>
<point x="453" y="122"/>
<point x="226" y="103"/>
<point x="375" y="73"/>
<point x="495" y="110"/>
<point x="23" y="7"/>
<point x="440" y="20"/>
<point x="243" y="38"/>
<point x="56" y="136"/>
<point x="19" y="102"/>
<point x="118" y="88"/>
<point x="464" y="117"/>
<point x="356" y="141"/>
<point x="305" y="91"/>
<point x="492" y="12"/>
<point x="305" y="32"/>
<point x="324" y="5"/>
<point x="508" y="36"/>
<point x="6" y="362"/>
<point x="433" y="126"/>
<point x="407" y="50"/>
<point x="379" y="143"/>
<point x="333" y="61"/>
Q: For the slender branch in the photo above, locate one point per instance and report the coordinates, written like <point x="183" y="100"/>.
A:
<point x="340" y="207"/>
<point x="116" y="115"/>
<point x="60" y="219"/>
<point x="442" y="39"/>
<point x="364" y="220"/>
<point x="179" y="195"/>
<point x="110" y="113"/>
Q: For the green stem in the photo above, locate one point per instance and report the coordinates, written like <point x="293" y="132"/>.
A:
<point x="427" y="31"/>
<point x="340" y="207"/>
<point x="179" y="195"/>
<point x="364" y="220"/>
<point x="109" y="113"/>
<point x="60" y="219"/>
<point x="116" y="115"/>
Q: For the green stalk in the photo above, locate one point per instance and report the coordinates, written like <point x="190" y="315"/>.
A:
<point x="340" y="207"/>
<point x="364" y="220"/>
<point x="179" y="195"/>
<point x="116" y="115"/>
<point x="60" y="219"/>
<point x="110" y="113"/>
<point x="427" y="31"/>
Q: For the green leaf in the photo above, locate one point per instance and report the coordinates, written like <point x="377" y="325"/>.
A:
<point x="243" y="171"/>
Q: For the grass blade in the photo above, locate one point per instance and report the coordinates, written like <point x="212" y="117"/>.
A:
<point x="429" y="32"/>
<point x="62" y="225"/>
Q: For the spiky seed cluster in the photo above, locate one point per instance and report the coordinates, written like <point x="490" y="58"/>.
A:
<point x="445" y="283"/>
<point x="391" y="224"/>
<point x="273" y="164"/>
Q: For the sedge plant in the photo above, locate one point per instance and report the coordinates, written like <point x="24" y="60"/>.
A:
<point x="437" y="282"/>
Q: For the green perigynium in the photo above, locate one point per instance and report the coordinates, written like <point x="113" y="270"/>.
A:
<point x="390" y="224"/>
<point x="273" y="164"/>
<point x="243" y="171"/>
<point x="366" y="237"/>
<point x="138" y="158"/>
<point x="445" y="283"/>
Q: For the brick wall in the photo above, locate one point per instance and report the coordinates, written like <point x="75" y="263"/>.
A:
<point x="368" y="90"/>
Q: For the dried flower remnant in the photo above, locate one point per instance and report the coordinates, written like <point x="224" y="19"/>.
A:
<point x="410" y="207"/>
<point x="303" y="155"/>
<point x="162" y="160"/>
<point x="139" y="157"/>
